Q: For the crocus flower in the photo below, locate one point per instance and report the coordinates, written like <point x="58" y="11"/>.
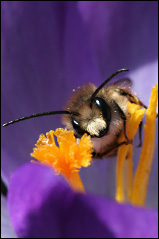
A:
<point x="48" y="49"/>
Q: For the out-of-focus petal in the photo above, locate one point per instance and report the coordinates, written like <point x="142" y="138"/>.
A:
<point x="123" y="34"/>
<point x="41" y="205"/>
<point x="45" y="54"/>
<point x="6" y="228"/>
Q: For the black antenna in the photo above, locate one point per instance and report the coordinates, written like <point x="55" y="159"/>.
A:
<point x="38" y="115"/>
<point x="106" y="81"/>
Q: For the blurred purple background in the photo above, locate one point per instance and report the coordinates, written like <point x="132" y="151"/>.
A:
<point x="50" y="48"/>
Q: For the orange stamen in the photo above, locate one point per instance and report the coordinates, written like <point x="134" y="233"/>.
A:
<point x="68" y="157"/>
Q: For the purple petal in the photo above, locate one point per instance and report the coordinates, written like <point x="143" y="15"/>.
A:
<point x="123" y="34"/>
<point x="41" y="205"/>
<point x="6" y="228"/>
<point x="45" y="53"/>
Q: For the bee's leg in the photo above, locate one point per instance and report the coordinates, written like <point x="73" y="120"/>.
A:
<point x="141" y="125"/>
<point x="97" y="155"/>
<point x="123" y="117"/>
<point x="142" y="104"/>
<point x="140" y="134"/>
<point x="106" y="153"/>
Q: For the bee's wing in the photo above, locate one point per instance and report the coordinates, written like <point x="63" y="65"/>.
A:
<point x="124" y="83"/>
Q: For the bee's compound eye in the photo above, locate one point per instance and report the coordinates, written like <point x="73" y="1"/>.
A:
<point x="77" y="127"/>
<point x="104" y="107"/>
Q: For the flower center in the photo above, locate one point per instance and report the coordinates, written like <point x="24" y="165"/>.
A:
<point x="68" y="157"/>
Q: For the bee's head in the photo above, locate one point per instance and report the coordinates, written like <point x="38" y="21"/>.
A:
<point x="92" y="112"/>
<point x="93" y="115"/>
<point x="94" y="118"/>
